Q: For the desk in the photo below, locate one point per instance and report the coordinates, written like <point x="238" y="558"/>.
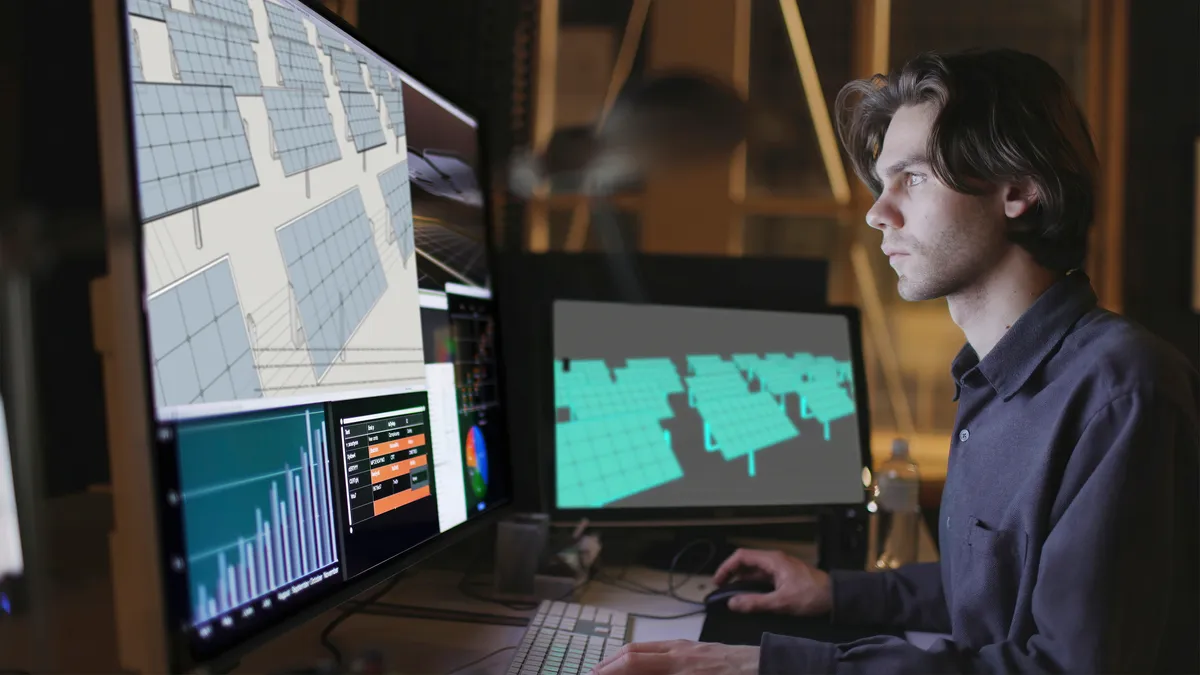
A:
<point x="435" y="646"/>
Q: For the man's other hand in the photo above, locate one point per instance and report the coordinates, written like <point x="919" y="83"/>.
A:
<point x="800" y="588"/>
<point x="676" y="657"/>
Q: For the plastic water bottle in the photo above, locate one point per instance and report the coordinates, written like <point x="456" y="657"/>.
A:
<point x="895" y="522"/>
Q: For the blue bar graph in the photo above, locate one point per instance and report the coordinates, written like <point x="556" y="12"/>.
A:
<point x="257" y="502"/>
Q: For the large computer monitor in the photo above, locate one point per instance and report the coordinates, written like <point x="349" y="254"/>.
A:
<point x="680" y="412"/>
<point x="319" y="364"/>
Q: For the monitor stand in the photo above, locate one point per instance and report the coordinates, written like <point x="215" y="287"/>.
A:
<point x="840" y="533"/>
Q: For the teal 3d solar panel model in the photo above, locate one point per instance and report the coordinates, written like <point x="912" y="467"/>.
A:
<point x="611" y="437"/>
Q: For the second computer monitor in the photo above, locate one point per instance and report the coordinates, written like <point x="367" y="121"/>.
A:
<point x="683" y="411"/>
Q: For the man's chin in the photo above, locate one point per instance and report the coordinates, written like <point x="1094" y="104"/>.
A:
<point x="913" y="292"/>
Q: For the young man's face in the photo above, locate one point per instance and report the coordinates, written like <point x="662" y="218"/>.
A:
<point x="939" y="241"/>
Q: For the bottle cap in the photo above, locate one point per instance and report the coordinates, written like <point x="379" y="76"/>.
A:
<point x="900" y="447"/>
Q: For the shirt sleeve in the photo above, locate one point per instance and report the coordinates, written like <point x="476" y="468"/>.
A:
<point x="1104" y="590"/>
<point x="910" y="597"/>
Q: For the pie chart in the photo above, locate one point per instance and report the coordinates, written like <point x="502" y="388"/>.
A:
<point x="477" y="462"/>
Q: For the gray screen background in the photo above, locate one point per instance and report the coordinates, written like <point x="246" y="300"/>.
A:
<point x="807" y="470"/>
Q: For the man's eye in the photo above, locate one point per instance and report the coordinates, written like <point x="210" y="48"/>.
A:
<point x="913" y="179"/>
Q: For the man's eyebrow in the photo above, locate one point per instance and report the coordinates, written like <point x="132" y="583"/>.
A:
<point x="901" y="165"/>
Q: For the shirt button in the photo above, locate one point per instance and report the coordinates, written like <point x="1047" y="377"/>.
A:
<point x="963" y="436"/>
<point x="947" y="522"/>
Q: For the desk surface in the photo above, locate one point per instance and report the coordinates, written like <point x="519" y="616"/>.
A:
<point x="435" y="646"/>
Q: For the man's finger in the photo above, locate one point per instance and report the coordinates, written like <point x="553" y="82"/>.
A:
<point x="743" y="557"/>
<point x="754" y="602"/>
<point x="635" y="663"/>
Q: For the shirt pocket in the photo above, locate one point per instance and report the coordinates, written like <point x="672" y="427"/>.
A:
<point x="987" y="581"/>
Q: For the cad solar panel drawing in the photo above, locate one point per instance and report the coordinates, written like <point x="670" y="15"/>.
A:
<point x="198" y="339"/>
<point x="283" y="22"/>
<point x="380" y="78"/>
<point x="335" y="274"/>
<point x="347" y="72"/>
<point x="191" y="146"/>
<point x="206" y="51"/>
<point x="330" y="40"/>
<point x="394" y="102"/>
<point x="233" y="12"/>
<point x="150" y="9"/>
<point x="393" y="182"/>
<point x="298" y="65"/>
<point x="302" y="132"/>
<point x="135" y="56"/>
<point x="363" y="119"/>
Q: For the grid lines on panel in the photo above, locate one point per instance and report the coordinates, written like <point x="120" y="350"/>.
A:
<point x="233" y="12"/>
<point x="213" y="52"/>
<point x="461" y="254"/>
<point x="365" y="127"/>
<point x="395" y="108"/>
<point x="302" y="129"/>
<point x="285" y="23"/>
<point x="348" y="72"/>
<point x="601" y="461"/>
<point x="330" y="40"/>
<point x="379" y="76"/>
<point x="299" y="66"/>
<point x="150" y="9"/>
<point x="745" y="424"/>
<point x="191" y="146"/>
<point x="199" y="341"/>
<point x="335" y="272"/>
<point x="393" y="182"/>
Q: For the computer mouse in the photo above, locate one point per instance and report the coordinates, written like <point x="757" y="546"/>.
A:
<point x="719" y="597"/>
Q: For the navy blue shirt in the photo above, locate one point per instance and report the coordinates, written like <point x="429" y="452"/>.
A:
<point x="1069" y="524"/>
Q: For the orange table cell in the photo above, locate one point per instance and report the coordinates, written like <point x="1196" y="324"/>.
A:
<point x="397" y="445"/>
<point x="397" y="500"/>
<point x="389" y="471"/>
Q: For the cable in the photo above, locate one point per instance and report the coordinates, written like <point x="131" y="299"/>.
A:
<point x="347" y="613"/>
<point x="482" y="659"/>
<point x="712" y="552"/>
<point x="667" y="617"/>
<point x="437" y="614"/>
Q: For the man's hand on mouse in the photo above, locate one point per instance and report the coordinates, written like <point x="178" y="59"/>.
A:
<point x="800" y="588"/>
<point x="675" y="657"/>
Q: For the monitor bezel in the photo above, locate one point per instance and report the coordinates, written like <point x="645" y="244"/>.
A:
<point x="707" y="515"/>
<point x="143" y="616"/>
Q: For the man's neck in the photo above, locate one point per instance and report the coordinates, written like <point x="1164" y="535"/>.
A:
<point x="989" y="308"/>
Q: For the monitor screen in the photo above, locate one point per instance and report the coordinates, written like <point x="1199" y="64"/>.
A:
<point x="319" y="314"/>
<point x="674" y="407"/>
<point x="11" y="557"/>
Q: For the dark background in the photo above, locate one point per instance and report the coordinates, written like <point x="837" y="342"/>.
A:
<point x="473" y="51"/>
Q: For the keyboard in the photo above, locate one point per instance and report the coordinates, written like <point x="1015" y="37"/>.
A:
<point x="564" y="638"/>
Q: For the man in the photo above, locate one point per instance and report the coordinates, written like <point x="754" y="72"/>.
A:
<point x="1069" y="520"/>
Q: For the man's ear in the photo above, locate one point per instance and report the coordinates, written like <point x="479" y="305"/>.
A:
<point x="1020" y="197"/>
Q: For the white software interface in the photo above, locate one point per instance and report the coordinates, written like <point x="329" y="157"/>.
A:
<point x="273" y="171"/>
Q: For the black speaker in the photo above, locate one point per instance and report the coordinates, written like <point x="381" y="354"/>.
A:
<point x="842" y="538"/>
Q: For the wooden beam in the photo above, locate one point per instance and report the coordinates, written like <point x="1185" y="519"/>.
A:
<point x="782" y="205"/>
<point x="543" y="117"/>
<point x="818" y="110"/>
<point x="1113" y="167"/>
<point x="689" y="210"/>
<point x="630" y="40"/>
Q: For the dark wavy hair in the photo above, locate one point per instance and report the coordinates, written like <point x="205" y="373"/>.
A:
<point x="1002" y="114"/>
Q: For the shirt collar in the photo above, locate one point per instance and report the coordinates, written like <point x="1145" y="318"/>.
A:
<point x="1031" y="340"/>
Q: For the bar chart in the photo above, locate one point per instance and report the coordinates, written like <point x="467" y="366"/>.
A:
<point x="257" y="504"/>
